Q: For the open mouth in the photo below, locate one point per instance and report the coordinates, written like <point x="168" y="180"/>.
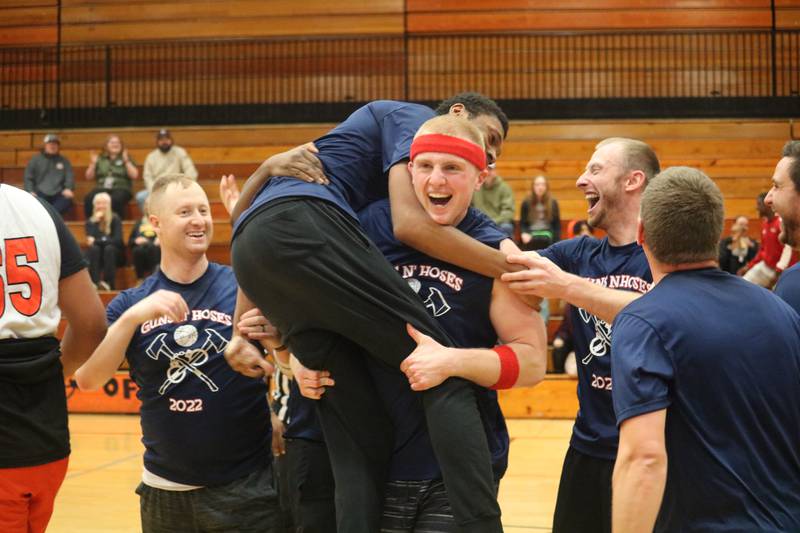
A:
<point x="439" y="199"/>
<point x="592" y="199"/>
<point x="197" y="234"/>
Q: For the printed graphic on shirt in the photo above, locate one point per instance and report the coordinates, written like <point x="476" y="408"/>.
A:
<point x="189" y="360"/>
<point x="600" y="345"/>
<point x="434" y="301"/>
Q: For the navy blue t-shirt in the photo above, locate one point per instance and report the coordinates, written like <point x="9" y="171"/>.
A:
<point x="788" y="287"/>
<point x="617" y="267"/>
<point x="459" y="300"/>
<point x="356" y="156"/>
<point x="722" y="356"/>
<point x="202" y="423"/>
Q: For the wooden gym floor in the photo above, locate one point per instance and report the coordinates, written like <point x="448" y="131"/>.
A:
<point x="105" y="467"/>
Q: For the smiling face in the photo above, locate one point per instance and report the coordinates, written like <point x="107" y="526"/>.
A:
<point x="113" y="145"/>
<point x="602" y="184"/>
<point x="101" y="203"/>
<point x="444" y="184"/>
<point x="181" y="217"/>
<point x="784" y="199"/>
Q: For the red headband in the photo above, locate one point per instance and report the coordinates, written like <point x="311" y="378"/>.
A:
<point x="447" y="144"/>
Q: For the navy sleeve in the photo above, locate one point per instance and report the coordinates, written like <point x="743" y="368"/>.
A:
<point x="397" y="132"/>
<point x="561" y="253"/>
<point x="641" y="368"/>
<point x="72" y="260"/>
<point x="117" y="306"/>
<point x="788" y="288"/>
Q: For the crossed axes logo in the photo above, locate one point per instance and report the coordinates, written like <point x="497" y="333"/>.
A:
<point x="599" y="345"/>
<point x="182" y="363"/>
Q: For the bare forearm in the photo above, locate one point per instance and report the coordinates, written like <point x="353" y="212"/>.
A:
<point x="106" y="359"/>
<point x="482" y="367"/>
<point x="76" y="347"/>
<point x="243" y="305"/>
<point x="448" y="244"/>
<point x="638" y="488"/>
<point x="250" y="189"/>
<point x="600" y="301"/>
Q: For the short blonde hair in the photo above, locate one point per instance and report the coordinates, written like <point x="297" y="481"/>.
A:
<point x="160" y="186"/>
<point x="454" y="127"/>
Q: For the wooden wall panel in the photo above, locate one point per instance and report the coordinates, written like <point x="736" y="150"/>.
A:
<point x="103" y="22"/>
<point x="453" y="16"/>
<point x="28" y="23"/>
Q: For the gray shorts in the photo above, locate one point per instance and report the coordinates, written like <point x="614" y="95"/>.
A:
<point x="417" y="507"/>
<point x="246" y="505"/>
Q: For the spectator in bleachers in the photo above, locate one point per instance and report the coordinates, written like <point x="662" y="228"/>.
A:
<point x="540" y="220"/>
<point x="49" y="175"/>
<point x="167" y="158"/>
<point x="562" y="340"/>
<point x="104" y="240"/>
<point x="736" y="250"/>
<point x="145" y="246"/>
<point x="113" y="170"/>
<point x="496" y="199"/>
<point x="579" y="228"/>
<point x="762" y="269"/>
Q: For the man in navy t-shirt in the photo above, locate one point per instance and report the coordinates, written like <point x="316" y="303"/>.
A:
<point x="301" y="257"/>
<point x="473" y="309"/>
<point x="206" y="429"/>
<point x="598" y="277"/>
<point x="705" y="388"/>
<point x="784" y="199"/>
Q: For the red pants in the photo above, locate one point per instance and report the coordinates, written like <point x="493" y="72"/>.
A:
<point x="27" y="495"/>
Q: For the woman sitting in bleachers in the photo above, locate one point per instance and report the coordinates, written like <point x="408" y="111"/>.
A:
<point x="540" y="220"/>
<point x="144" y="245"/>
<point x="113" y="171"/>
<point x="104" y="240"/>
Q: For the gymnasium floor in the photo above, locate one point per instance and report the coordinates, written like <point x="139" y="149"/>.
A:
<point x="105" y="467"/>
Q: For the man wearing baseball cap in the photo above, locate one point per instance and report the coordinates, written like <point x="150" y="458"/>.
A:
<point x="49" y="175"/>
<point x="166" y="159"/>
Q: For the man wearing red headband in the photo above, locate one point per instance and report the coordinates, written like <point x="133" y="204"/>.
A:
<point x="301" y="257"/>
<point x="447" y="166"/>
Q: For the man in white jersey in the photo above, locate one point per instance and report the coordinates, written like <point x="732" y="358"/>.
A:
<point x="42" y="275"/>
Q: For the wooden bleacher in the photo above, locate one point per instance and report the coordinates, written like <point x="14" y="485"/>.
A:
<point x="739" y="155"/>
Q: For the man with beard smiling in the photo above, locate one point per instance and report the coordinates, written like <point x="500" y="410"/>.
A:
<point x="166" y="159"/>
<point x="784" y="199"/>
<point x="581" y="271"/>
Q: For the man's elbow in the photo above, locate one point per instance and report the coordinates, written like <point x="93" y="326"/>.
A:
<point x="647" y="457"/>
<point x="533" y="373"/>
<point x="407" y="229"/>
<point x="87" y="382"/>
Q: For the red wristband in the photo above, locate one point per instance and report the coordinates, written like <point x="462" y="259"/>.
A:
<point x="509" y="367"/>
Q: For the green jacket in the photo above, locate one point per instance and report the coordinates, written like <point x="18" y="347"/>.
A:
<point x="112" y="173"/>
<point x="496" y="201"/>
